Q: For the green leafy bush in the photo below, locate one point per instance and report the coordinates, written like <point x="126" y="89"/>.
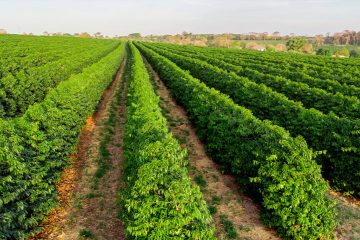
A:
<point x="296" y="43"/>
<point x="343" y="52"/>
<point x="324" y="52"/>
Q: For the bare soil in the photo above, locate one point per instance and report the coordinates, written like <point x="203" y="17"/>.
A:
<point x="348" y="216"/>
<point x="220" y="190"/>
<point x="83" y="209"/>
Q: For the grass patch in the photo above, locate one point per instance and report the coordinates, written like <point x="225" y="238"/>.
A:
<point x="348" y="218"/>
<point x="91" y="195"/>
<point x="244" y="228"/>
<point x="181" y="139"/>
<point x="228" y="227"/>
<point x="212" y="209"/>
<point x="185" y="132"/>
<point x="216" y="200"/>
<point x="200" y="181"/>
<point x="84" y="233"/>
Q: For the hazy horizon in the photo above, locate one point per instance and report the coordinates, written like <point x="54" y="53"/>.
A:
<point x="159" y="17"/>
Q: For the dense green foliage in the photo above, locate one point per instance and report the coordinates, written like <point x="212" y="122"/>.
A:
<point x="339" y="137"/>
<point x="354" y="53"/>
<point x="270" y="65"/>
<point x="343" y="70"/>
<point x="160" y="202"/>
<point x="35" y="147"/>
<point x="296" y="43"/>
<point x="343" y="106"/>
<point x="263" y="156"/>
<point x="343" y="52"/>
<point x="20" y="53"/>
<point x="25" y="78"/>
<point x="324" y="52"/>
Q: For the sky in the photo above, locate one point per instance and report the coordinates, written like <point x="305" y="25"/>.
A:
<point x="158" y="17"/>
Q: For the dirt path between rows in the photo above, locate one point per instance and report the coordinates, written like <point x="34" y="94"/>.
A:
<point x="348" y="216"/>
<point x="88" y="203"/>
<point x="220" y="191"/>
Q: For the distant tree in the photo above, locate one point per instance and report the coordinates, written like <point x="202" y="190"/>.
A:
<point x="275" y="35"/>
<point x="345" y="37"/>
<point x="135" y="35"/>
<point x="319" y="39"/>
<point x="200" y="43"/>
<point x="242" y="37"/>
<point x="323" y="52"/>
<point x="307" y="48"/>
<point x="328" y="38"/>
<point x="3" y="31"/>
<point x="354" y="53"/>
<point x="343" y="52"/>
<point x="84" y="35"/>
<point x="263" y="35"/>
<point x="336" y="39"/>
<point x="186" y="34"/>
<point x="98" y="35"/>
<point x="252" y="45"/>
<point x="280" y="47"/>
<point x="222" y="41"/>
<point x="353" y="38"/>
<point x="296" y="43"/>
<point x="255" y="46"/>
<point x="45" y="33"/>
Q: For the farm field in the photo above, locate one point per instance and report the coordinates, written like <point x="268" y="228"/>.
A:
<point x="110" y="139"/>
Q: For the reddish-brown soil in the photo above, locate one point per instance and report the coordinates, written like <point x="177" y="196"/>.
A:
<point x="239" y="209"/>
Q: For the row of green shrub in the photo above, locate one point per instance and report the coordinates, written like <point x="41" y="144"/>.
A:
<point x="160" y="201"/>
<point x="342" y="70"/>
<point x="337" y="138"/>
<point x="343" y="106"/>
<point x="298" y="75"/>
<point x="264" y="157"/>
<point x="26" y="54"/>
<point x="21" y="90"/>
<point x="35" y="148"/>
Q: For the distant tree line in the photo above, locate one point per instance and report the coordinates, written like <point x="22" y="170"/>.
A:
<point x="346" y="37"/>
<point x="264" y="41"/>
